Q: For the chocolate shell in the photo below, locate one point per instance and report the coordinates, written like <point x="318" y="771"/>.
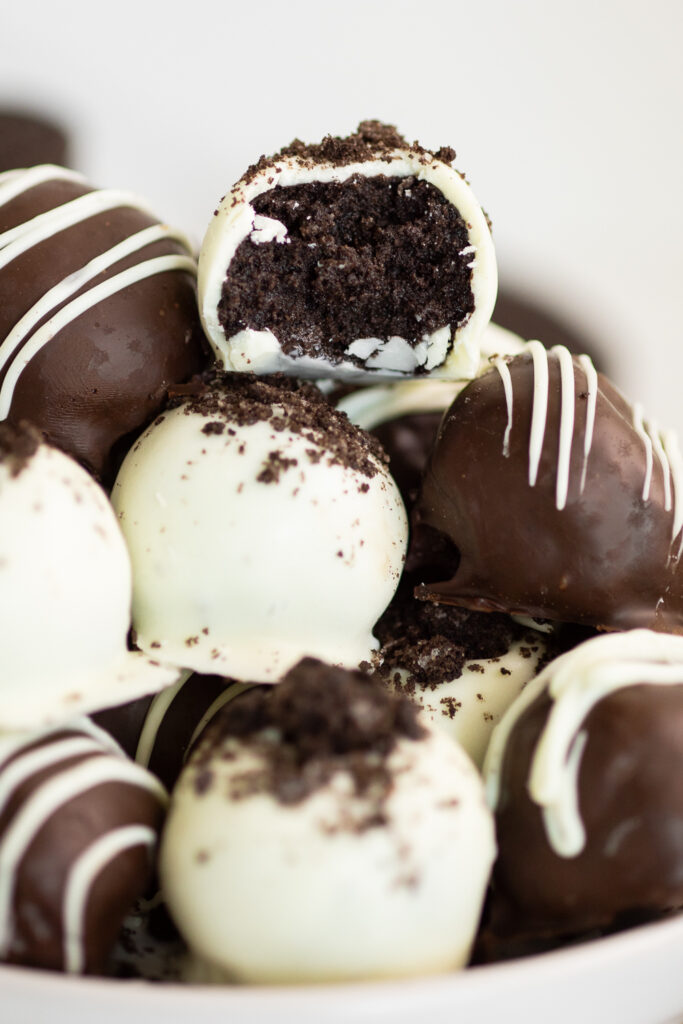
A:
<point x="97" y="312"/>
<point x="27" y="139"/>
<point x="160" y="730"/>
<point x="585" y="774"/>
<point x="78" y="826"/>
<point x="562" y="501"/>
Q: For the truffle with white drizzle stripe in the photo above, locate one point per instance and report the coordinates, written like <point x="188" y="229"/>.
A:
<point x="97" y="311"/>
<point x="585" y="774"/>
<point x="357" y="258"/>
<point x="563" y="502"/>
<point x="78" y="826"/>
<point x="160" y="730"/>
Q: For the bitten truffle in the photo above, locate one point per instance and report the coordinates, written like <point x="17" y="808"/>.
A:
<point x="360" y="258"/>
<point x="97" y="312"/>
<point x="585" y="773"/>
<point x="562" y="501"/>
<point x="79" y="824"/>
<point x="320" y="834"/>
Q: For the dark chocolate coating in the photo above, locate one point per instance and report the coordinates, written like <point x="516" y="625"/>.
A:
<point x="606" y="559"/>
<point x="102" y="378"/>
<point x="631" y="806"/>
<point x="408" y="441"/>
<point x="172" y="740"/>
<point x="28" y="139"/>
<point x="37" y="919"/>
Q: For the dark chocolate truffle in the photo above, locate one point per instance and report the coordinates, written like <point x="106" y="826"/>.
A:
<point x="159" y="731"/>
<point x="586" y="776"/>
<point x="78" y="826"/>
<point x="562" y="501"/>
<point x="353" y="258"/>
<point x="27" y="139"/>
<point x="97" y="312"/>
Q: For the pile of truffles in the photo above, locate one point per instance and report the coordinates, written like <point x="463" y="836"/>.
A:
<point x="342" y="628"/>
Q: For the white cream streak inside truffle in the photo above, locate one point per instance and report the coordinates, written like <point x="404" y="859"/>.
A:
<point x="664" y="445"/>
<point x="576" y="682"/>
<point x="104" y="763"/>
<point x="370" y="407"/>
<point x="452" y="351"/>
<point x="15" y="351"/>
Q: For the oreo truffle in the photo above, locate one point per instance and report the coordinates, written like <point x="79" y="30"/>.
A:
<point x="356" y="258"/>
<point x="461" y="668"/>
<point x="262" y="527"/>
<point x="585" y="773"/>
<point x="562" y="501"/>
<point x="65" y="591"/>
<point x="27" y="139"/>
<point x="97" y="312"/>
<point x="369" y="835"/>
<point x="79" y="823"/>
<point x="160" y="730"/>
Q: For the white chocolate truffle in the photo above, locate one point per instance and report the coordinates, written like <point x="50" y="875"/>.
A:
<point x="345" y="327"/>
<point x="469" y="707"/>
<point x="253" y="542"/>
<point x="336" y="884"/>
<point x="65" y="592"/>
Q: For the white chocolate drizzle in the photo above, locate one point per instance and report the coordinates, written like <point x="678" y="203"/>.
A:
<point x="539" y="408"/>
<point x="160" y="708"/>
<point x="84" y="872"/>
<point x="104" y="763"/>
<point x="586" y="364"/>
<point x="504" y="372"/>
<point x="567" y="402"/>
<point x="576" y="682"/>
<point x="20" y="239"/>
<point x="660" y="445"/>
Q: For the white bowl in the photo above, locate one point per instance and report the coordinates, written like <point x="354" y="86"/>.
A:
<point x="635" y="977"/>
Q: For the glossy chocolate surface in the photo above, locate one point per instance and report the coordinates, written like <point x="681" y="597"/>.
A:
<point x="607" y="558"/>
<point x="101" y="378"/>
<point x="631" y="805"/>
<point x="74" y="820"/>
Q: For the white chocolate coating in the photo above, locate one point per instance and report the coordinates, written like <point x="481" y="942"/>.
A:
<point x="469" y="707"/>
<point x="272" y="893"/>
<point x="438" y="353"/>
<point x="65" y="596"/>
<point x="241" y="577"/>
<point x="576" y="682"/>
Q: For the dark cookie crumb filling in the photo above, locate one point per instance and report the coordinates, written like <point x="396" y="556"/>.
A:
<point x="433" y="643"/>
<point x="366" y="258"/>
<point x="319" y="720"/>
<point x="231" y="400"/>
<point x="18" y="443"/>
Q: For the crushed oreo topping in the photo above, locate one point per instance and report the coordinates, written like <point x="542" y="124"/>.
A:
<point x="372" y="140"/>
<point x="432" y="643"/>
<point x="319" y="720"/>
<point x="286" y="404"/>
<point x="18" y="443"/>
<point x="370" y="257"/>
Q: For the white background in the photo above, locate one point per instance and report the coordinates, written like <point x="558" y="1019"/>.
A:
<point x="565" y="117"/>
